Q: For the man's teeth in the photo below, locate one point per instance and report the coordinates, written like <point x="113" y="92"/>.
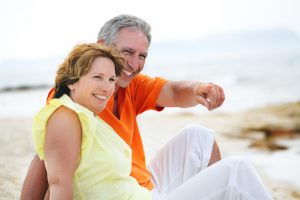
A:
<point x="100" y="97"/>
<point x="127" y="72"/>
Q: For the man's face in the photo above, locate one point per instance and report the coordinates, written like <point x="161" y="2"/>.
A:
<point x="133" y="45"/>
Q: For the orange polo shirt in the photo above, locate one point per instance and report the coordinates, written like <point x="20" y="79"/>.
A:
<point x="139" y="96"/>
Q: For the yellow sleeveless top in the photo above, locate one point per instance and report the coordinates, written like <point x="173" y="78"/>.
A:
<point x="105" y="161"/>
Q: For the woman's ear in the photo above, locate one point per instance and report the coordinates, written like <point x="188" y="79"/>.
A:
<point x="71" y="86"/>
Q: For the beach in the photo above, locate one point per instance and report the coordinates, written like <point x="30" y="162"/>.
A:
<point x="17" y="148"/>
<point x="256" y="70"/>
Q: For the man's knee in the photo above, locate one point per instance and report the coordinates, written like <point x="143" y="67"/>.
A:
<point x="203" y="138"/>
<point x="196" y="132"/>
<point x="239" y="162"/>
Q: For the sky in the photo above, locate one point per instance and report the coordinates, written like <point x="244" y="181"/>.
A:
<point x="34" y="29"/>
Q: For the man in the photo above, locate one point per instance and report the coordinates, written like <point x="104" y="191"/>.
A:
<point x="190" y="151"/>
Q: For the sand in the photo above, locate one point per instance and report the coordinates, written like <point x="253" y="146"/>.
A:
<point x="17" y="150"/>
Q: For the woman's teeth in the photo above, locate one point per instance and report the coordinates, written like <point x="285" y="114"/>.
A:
<point x="100" y="96"/>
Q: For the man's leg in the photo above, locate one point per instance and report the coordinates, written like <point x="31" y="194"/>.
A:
<point x="215" y="154"/>
<point x="187" y="153"/>
<point x="231" y="178"/>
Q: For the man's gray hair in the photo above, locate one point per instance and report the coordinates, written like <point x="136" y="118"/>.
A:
<point x="110" y="29"/>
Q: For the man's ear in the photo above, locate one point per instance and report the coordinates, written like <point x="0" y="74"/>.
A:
<point x="100" y="41"/>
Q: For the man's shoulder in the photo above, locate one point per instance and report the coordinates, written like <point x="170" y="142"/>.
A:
<point x="140" y="77"/>
<point x="144" y="83"/>
<point x="145" y="78"/>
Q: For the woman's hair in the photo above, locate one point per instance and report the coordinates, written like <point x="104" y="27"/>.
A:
<point x="78" y="63"/>
<point x="110" y="29"/>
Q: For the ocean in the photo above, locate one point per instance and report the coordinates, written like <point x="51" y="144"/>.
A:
<point x="255" y="69"/>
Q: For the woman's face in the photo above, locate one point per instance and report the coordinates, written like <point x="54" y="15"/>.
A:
<point x="94" y="89"/>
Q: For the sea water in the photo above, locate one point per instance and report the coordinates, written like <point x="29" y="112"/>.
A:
<point x="254" y="69"/>
<point x="245" y="86"/>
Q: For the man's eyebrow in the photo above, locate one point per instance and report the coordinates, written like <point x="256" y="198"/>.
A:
<point x="127" y="48"/>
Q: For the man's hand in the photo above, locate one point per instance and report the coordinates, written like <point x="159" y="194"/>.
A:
<point x="209" y="95"/>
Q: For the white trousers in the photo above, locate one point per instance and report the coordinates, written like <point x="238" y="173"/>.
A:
<point x="179" y="171"/>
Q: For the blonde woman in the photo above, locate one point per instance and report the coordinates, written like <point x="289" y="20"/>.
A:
<point x="84" y="157"/>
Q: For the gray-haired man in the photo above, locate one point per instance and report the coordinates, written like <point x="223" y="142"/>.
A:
<point x="190" y="151"/>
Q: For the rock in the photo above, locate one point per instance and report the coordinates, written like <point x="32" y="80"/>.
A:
<point x="265" y="126"/>
<point x="274" y="121"/>
<point x="268" y="144"/>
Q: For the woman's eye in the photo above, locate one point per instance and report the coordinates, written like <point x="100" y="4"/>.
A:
<point x="113" y="79"/>
<point x="98" y="77"/>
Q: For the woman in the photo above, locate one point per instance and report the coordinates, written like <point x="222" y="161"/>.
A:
<point x="84" y="157"/>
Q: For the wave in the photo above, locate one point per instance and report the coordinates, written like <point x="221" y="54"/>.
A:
<point x="24" y="88"/>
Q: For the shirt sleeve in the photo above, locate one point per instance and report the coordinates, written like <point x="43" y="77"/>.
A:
<point x="145" y="91"/>
<point x="50" y="95"/>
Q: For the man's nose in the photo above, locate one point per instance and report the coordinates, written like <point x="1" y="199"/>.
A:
<point x="133" y="63"/>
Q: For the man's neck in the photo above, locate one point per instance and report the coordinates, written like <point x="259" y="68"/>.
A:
<point x="116" y="104"/>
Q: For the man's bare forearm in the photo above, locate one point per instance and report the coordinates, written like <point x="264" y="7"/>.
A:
<point x="190" y="93"/>
<point x="35" y="184"/>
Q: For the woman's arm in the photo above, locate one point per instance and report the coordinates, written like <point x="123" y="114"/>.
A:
<point x="62" y="152"/>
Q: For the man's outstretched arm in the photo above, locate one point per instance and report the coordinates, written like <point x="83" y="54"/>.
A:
<point x="35" y="184"/>
<point x="188" y="93"/>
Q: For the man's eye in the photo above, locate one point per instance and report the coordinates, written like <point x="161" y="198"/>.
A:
<point x="126" y="52"/>
<point x="143" y="57"/>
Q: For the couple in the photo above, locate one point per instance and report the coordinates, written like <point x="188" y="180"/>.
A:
<point x="86" y="159"/>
